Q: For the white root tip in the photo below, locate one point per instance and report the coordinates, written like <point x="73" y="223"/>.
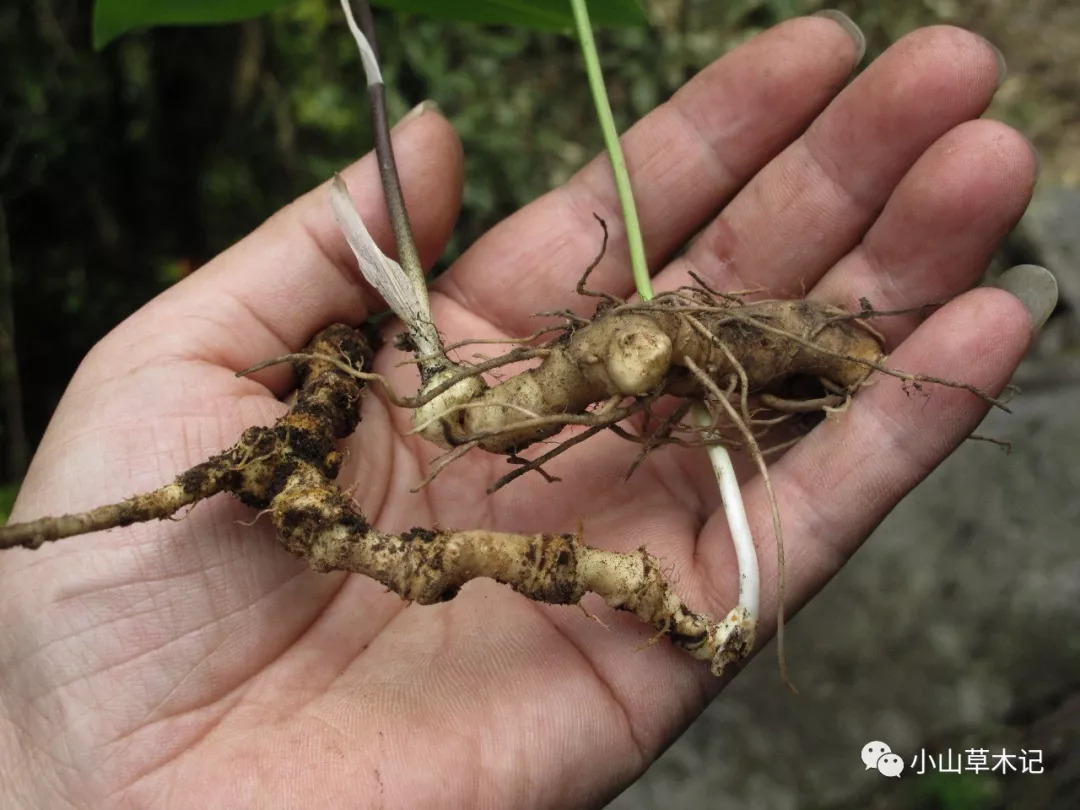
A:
<point x="735" y="511"/>
<point x="735" y="635"/>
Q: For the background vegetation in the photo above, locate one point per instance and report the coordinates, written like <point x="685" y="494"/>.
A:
<point x="124" y="170"/>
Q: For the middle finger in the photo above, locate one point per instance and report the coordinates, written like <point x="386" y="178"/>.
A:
<point x="813" y="203"/>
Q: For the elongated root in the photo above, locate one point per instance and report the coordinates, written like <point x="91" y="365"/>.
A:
<point x="288" y="469"/>
<point x="598" y="373"/>
<point x="642" y="349"/>
<point x="318" y="523"/>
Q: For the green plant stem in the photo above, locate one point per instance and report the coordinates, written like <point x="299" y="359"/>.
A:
<point x="638" y="263"/>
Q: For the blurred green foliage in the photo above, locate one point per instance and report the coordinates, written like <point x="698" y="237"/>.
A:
<point x="114" y="17"/>
<point x="123" y="170"/>
<point x="964" y="791"/>
<point x="7" y="500"/>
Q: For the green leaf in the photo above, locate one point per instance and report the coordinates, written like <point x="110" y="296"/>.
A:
<point x="552" y="15"/>
<point x="115" y="17"/>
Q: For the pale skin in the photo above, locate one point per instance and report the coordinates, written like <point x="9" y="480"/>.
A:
<point x="197" y="664"/>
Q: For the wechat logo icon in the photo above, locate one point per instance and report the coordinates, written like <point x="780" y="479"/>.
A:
<point x="879" y="756"/>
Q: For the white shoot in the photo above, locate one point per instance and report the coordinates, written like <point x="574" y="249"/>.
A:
<point x="746" y="613"/>
<point x="367" y="55"/>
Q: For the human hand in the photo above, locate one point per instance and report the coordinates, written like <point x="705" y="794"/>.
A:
<point x="197" y="663"/>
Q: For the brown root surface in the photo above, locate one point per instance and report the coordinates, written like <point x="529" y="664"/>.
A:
<point x="288" y="469"/>
<point x="256" y="467"/>
<point x="318" y="523"/>
<point x="645" y="349"/>
<point x="690" y="344"/>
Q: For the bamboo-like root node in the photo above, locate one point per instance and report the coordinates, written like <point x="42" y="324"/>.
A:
<point x="427" y="566"/>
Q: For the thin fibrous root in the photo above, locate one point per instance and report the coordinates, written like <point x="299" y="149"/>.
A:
<point x="659" y="436"/>
<point x="791" y="406"/>
<point x="442" y="462"/>
<point x="529" y="465"/>
<point x="410" y="361"/>
<point x="581" y="289"/>
<point x="867" y="311"/>
<point x="1002" y="443"/>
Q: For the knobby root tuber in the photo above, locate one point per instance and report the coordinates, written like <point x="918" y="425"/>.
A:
<point x="636" y="350"/>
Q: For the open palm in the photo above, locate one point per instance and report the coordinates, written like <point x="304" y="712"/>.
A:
<point x="195" y="663"/>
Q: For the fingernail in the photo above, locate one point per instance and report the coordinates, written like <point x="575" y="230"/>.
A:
<point x="1036" y="288"/>
<point x="850" y="28"/>
<point x="428" y="105"/>
<point x="1002" y="66"/>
